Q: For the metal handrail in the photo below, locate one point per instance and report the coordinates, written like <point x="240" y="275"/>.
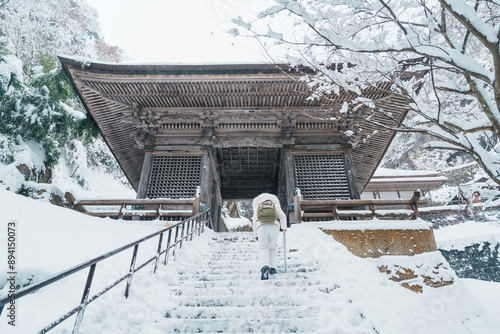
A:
<point x="190" y="226"/>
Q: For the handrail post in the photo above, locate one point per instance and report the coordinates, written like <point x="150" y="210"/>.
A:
<point x="188" y="228"/>
<point x="182" y="235"/>
<point x="372" y="209"/>
<point x="209" y="220"/>
<point x="193" y="227"/>
<point x="120" y="213"/>
<point x="196" y="205"/>
<point x="85" y="298"/>
<point x="158" y="209"/>
<point x="334" y="212"/>
<point x="167" y="250"/>
<point x="175" y="240"/>
<point x="203" y="222"/>
<point x="200" y="221"/>
<point x="158" y="253"/>
<point x="131" y="271"/>
<point x="297" y="209"/>
<point x="197" y="225"/>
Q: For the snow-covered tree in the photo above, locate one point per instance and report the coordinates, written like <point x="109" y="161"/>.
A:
<point x="443" y="55"/>
<point x="43" y="125"/>
<point x="31" y="29"/>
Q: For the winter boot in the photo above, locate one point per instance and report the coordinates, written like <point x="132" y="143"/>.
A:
<point x="272" y="271"/>
<point x="265" y="273"/>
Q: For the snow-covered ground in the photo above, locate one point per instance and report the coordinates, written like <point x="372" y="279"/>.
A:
<point x="465" y="234"/>
<point x="51" y="239"/>
<point x="235" y="223"/>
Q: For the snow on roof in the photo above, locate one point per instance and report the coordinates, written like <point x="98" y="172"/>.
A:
<point x="388" y="172"/>
<point x="386" y="175"/>
<point x="87" y="60"/>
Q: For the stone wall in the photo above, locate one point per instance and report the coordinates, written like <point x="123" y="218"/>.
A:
<point x="479" y="261"/>
<point x="376" y="243"/>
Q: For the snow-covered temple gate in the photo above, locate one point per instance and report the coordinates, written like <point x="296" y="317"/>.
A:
<point x="233" y="130"/>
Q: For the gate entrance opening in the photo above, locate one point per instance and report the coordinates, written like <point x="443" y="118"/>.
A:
<point x="246" y="172"/>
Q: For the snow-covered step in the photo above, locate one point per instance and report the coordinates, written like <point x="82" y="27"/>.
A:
<point x="284" y="312"/>
<point x="250" y="264"/>
<point x="231" y="325"/>
<point x="224" y="293"/>
<point x="240" y="257"/>
<point x="242" y="273"/>
<point x="244" y="300"/>
<point x="243" y="277"/>
<point x="242" y="289"/>
<point x="242" y="264"/>
<point x="228" y="283"/>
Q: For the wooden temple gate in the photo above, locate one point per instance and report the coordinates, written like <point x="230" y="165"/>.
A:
<point x="232" y="131"/>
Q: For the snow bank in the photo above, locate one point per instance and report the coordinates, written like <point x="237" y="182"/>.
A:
<point x="465" y="234"/>
<point x="27" y="153"/>
<point x="51" y="238"/>
<point x="383" y="304"/>
<point x="234" y="223"/>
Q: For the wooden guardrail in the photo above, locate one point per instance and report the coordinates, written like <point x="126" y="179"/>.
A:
<point x="142" y="209"/>
<point x="324" y="210"/>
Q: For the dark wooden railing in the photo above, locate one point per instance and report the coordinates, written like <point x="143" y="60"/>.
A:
<point x="354" y="209"/>
<point x="141" y="209"/>
<point x="175" y="235"/>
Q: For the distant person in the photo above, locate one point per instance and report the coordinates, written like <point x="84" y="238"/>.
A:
<point x="476" y="197"/>
<point x="268" y="219"/>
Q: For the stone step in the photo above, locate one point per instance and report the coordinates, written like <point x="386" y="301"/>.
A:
<point x="272" y="298"/>
<point x="223" y="293"/>
<point x="272" y="282"/>
<point x="278" y="312"/>
<point x="242" y="270"/>
<point x="239" y="257"/>
<point x="244" y="249"/>
<point x="253" y="277"/>
<point x="224" y="263"/>
<point x="241" y="290"/>
<point x="233" y="325"/>
<point x="248" y="262"/>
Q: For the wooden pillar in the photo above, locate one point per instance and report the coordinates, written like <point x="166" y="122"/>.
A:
<point x="351" y="176"/>
<point x="210" y="188"/>
<point x="289" y="182"/>
<point x="216" y="193"/>
<point x="146" y="171"/>
<point x="206" y="180"/>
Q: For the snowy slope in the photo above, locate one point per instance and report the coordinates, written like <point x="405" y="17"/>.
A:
<point x="334" y="291"/>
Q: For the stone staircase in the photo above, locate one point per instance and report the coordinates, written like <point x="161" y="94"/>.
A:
<point x="223" y="293"/>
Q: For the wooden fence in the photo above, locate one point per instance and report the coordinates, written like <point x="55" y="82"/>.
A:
<point x="141" y="209"/>
<point x="355" y="209"/>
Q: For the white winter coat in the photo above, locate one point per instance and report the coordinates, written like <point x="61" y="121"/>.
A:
<point x="281" y="215"/>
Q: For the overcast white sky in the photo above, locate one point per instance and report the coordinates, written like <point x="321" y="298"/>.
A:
<point x="187" y="31"/>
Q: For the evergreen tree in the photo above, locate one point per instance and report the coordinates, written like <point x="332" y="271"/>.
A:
<point x="37" y="101"/>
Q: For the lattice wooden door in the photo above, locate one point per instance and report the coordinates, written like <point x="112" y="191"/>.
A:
<point x="174" y="176"/>
<point x="321" y="176"/>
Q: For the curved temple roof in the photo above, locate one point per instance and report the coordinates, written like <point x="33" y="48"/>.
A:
<point x="137" y="106"/>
